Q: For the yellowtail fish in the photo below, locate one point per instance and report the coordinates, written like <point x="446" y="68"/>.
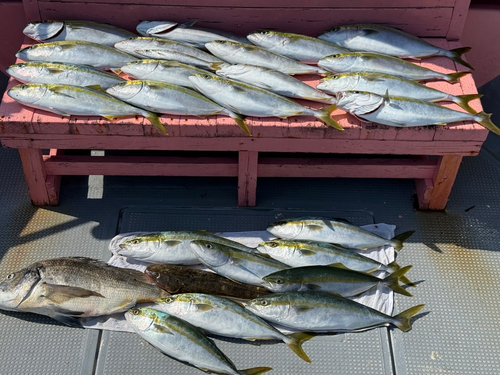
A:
<point x="325" y="312"/>
<point x="223" y="317"/>
<point x="366" y="62"/>
<point x="183" y="342"/>
<point x="389" y="41"/>
<point x="174" y="56"/>
<point x="66" y="100"/>
<point x="404" y="112"/>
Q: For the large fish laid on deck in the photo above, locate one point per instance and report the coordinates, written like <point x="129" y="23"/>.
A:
<point x="252" y="101"/>
<point x="366" y="62"/>
<point x="325" y="312"/>
<point x="85" y="31"/>
<point x="185" y="33"/>
<point x="66" y="100"/>
<point x="183" y="342"/>
<point x="171" y="99"/>
<point x="299" y="47"/>
<point x="72" y="52"/>
<point x="237" y="53"/>
<point x="181" y="279"/>
<point x="404" y="112"/>
<point x="381" y="83"/>
<point x="62" y="74"/>
<point x="70" y="288"/>
<point x="336" y="231"/>
<point x="389" y="41"/>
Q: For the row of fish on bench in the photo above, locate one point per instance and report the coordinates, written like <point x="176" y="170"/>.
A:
<point x="173" y="67"/>
<point x="302" y="283"/>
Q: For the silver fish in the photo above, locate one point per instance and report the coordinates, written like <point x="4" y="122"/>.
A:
<point x="325" y="312"/>
<point x="144" y="43"/>
<point x="68" y="288"/>
<point x="366" y="62"/>
<point x="236" y="53"/>
<point x="253" y="101"/>
<point x="299" y="47"/>
<point x="337" y="231"/>
<point x="85" y="31"/>
<point x="183" y="342"/>
<point x="62" y="74"/>
<point x="389" y="41"/>
<point x="275" y="81"/>
<point x="185" y="33"/>
<point x="235" y="264"/>
<point x="174" y="56"/>
<point x="66" y="100"/>
<point x="223" y="317"/>
<point x="404" y="112"/>
<point x="381" y="83"/>
<point x="84" y="53"/>
<point x="171" y="247"/>
<point x="170" y="99"/>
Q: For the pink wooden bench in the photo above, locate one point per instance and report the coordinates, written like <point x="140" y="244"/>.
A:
<point x="430" y="155"/>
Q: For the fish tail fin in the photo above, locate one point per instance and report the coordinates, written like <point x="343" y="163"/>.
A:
<point x="240" y="121"/>
<point x="485" y="119"/>
<point x="155" y="121"/>
<point x="464" y="100"/>
<point x="216" y="66"/>
<point x="297" y="339"/>
<point x="255" y="370"/>
<point x="398" y="241"/>
<point x="394" y="267"/>
<point x="456" y="55"/>
<point x="325" y="115"/>
<point x="455" y="77"/>
<point x="392" y="281"/>
<point x="403" y="320"/>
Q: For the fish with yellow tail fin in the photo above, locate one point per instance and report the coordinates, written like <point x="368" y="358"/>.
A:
<point x="183" y="342"/>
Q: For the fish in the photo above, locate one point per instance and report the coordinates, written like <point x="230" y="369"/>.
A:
<point x="172" y="72"/>
<point x="75" y="287"/>
<point x="336" y="231"/>
<point x="183" y="342"/>
<point x="252" y="101"/>
<point x="179" y="57"/>
<point x="223" y="317"/>
<point x="325" y="312"/>
<point x="333" y="279"/>
<point x="366" y="62"/>
<point x="237" y="53"/>
<point x="146" y="43"/>
<point x="171" y="247"/>
<point x="275" y="81"/>
<point x="299" y="47"/>
<point x="62" y="74"/>
<point x="185" y="33"/>
<point x="404" y="112"/>
<point x="170" y="99"/>
<point x="66" y="100"/>
<point x="83" y="53"/>
<point x="381" y="83"/>
<point x="85" y="31"/>
<point x="248" y="268"/>
<point x="389" y="41"/>
<point x="181" y="279"/>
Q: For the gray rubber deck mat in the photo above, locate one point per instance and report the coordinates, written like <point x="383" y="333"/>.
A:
<point x="127" y="353"/>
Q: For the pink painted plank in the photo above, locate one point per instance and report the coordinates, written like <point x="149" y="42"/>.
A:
<point x="424" y="22"/>
<point x="192" y="126"/>
<point x="347" y="168"/>
<point x="247" y="178"/>
<point x="34" y="173"/>
<point x="458" y="19"/>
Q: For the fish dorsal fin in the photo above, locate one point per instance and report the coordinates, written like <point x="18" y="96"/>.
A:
<point x="162" y="329"/>
<point x="387" y="98"/>
<point x="62" y="293"/>
<point x="188" y="24"/>
<point x="342" y="220"/>
<point x="116" y="71"/>
<point x="204" y="307"/>
<point x="314" y="227"/>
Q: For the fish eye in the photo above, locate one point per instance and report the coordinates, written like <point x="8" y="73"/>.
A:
<point x="135" y="311"/>
<point x="279" y="281"/>
<point x="135" y="241"/>
<point x="11" y="276"/>
<point x="273" y="244"/>
<point x="335" y="56"/>
<point x="263" y="303"/>
<point x="168" y="300"/>
<point x="335" y="76"/>
<point x="208" y="246"/>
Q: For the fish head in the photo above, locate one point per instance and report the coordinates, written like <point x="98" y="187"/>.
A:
<point x="339" y="82"/>
<point x="179" y="304"/>
<point x="342" y="34"/>
<point x="25" y="72"/>
<point x="16" y="287"/>
<point x="338" y="62"/>
<point x="140" y="247"/>
<point x="132" y="44"/>
<point x="276" y="283"/>
<point x="37" y="51"/>
<point x="359" y="102"/>
<point x="141" y="319"/>
<point x="28" y="94"/>
<point x="223" y="47"/>
<point x="273" y="307"/>
<point x="278" y="249"/>
<point x="126" y="90"/>
<point x="269" y="38"/>
<point x="287" y="229"/>
<point x="147" y="28"/>
<point x="210" y="253"/>
<point x="43" y="30"/>
<point x="140" y="68"/>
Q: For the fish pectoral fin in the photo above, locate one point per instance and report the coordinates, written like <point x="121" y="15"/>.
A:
<point x="313" y="286"/>
<point x="302" y="309"/>
<point x="162" y="329"/>
<point x="307" y="253"/>
<point x="60" y="90"/>
<point x="66" y="312"/>
<point x="237" y="261"/>
<point x="188" y="24"/>
<point x="97" y="88"/>
<point x="173" y="243"/>
<point x="55" y="71"/>
<point x="370" y="32"/>
<point x="63" y="293"/>
<point x="68" y="321"/>
<point x="314" y="227"/>
<point x="204" y="307"/>
<point x="342" y="220"/>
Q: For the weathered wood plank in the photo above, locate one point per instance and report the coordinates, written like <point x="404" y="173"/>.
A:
<point x="458" y="19"/>
<point x="444" y="180"/>
<point x="247" y="178"/>
<point x="424" y="191"/>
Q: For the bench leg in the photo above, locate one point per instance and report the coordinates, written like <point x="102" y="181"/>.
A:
<point x="43" y="189"/>
<point x="433" y="194"/>
<point x="247" y="178"/>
